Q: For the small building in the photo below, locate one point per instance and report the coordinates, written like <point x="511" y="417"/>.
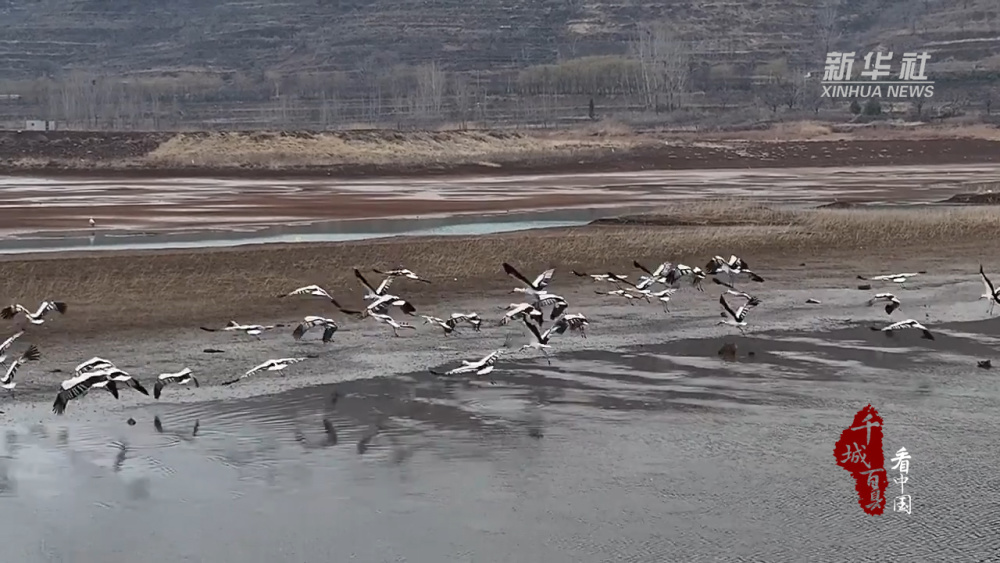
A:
<point x="39" y="125"/>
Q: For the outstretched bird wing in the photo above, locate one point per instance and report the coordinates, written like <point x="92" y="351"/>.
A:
<point x="301" y="330"/>
<point x="361" y="278"/>
<point x="47" y="306"/>
<point x="257" y="368"/>
<point x="534" y="330"/>
<point x="346" y="311"/>
<point x="618" y="279"/>
<point x="990" y="290"/>
<point x="407" y="308"/>
<point x="641" y="267"/>
<point x="384" y="286"/>
<point x="543" y="279"/>
<point x="512" y="271"/>
<point x="6" y="343"/>
<point x="725" y="305"/>
<point x="134" y="384"/>
<point x="11" y="311"/>
<point x="328" y="333"/>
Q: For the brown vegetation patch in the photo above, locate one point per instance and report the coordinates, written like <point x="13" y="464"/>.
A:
<point x="277" y="150"/>
<point x="109" y="292"/>
<point x="599" y="147"/>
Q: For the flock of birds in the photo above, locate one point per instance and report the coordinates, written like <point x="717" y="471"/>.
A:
<point x="657" y="284"/>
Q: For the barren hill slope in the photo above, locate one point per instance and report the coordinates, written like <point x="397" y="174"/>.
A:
<point x="133" y="35"/>
<point x="490" y="39"/>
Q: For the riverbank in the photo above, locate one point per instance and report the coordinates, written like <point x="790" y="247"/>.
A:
<point x="381" y="153"/>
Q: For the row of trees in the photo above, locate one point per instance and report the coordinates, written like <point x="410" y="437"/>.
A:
<point x="658" y="73"/>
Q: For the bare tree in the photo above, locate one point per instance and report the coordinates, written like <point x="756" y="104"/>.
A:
<point x="430" y="89"/>
<point x="663" y="64"/>
<point x="827" y="25"/>
<point x="462" y="95"/>
<point x="988" y="95"/>
<point x="812" y="96"/>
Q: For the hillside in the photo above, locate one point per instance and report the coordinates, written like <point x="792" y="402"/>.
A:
<point x="166" y="65"/>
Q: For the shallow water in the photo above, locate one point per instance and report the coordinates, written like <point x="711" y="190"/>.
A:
<point x="658" y="453"/>
<point x="325" y="231"/>
<point x="193" y="204"/>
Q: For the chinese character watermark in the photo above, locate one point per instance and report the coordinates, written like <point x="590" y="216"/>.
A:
<point x="903" y="503"/>
<point x="877" y="80"/>
<point x="865" y="463"/>
<point x="838" y="67"/>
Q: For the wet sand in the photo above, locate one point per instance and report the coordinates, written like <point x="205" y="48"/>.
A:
<point x="637" y="444"/>
<point x="30" y="205"/>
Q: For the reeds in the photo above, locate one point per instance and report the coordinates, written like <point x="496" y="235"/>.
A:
<point x="280" y="150"/>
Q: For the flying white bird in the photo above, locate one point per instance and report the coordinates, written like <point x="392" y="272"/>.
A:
<point x="644" y="283"/>
<point x="571" y="321"/>
<point x="659" y="272"/>
<point x="622" y="293"/>
<point x="481" y="367"/>
<point x="471" y="319"/>
<point x="992" y="293"/>
<point x="252" y="330"/>
<point x="735" y="318"/>
<point x="6" y="345"/>
<point x="270" y="365"/>
<point x="182" y="377"/>
<point x="733" y="291"/>
<point x="909" y="323"/>
<point x="546" y="299"/>
<point x="539" y="283"/>
<point x="663" y="296"/>
<point x="541" y="342"/>
<point x="392" y="322"/>
<point x="37" y="317"/>
<point x="890" y="277"/>
<point x="516" y="311"/>
<point x="310" y="322"/>
<point x="78" y="386"/>
<point x="447" y="325"/>
<point x="373" y="293"/>
<point x="118" y="376"/>
<point x="380" y="306"/>
<point x="675" y="274"/>
<point x="892" y="303"/>
<point x="401" y="272"/>
<point x="31" y="354"/>
<point x="313" y="290"/>
<point x="895" y="278"/>
<point x="595" y="277"/>
<point x="92" y="223"/>
<point x="92" y="364"/>
<point x="734" y="268"/>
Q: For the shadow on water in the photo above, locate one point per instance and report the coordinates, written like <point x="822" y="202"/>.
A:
<point x="661" y="451"/>
<point x="323" y="231"/>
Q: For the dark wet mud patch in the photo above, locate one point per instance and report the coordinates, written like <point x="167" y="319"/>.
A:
<point x="982" y="198"/>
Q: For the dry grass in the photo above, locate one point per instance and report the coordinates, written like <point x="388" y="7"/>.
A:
<point x="111" y="292"/>
<point x="276" y="150"/>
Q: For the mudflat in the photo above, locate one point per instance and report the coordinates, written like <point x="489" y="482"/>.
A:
<point x="429" y="153"/>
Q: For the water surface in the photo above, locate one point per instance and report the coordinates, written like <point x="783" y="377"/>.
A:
<point x="657" y="453"/>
